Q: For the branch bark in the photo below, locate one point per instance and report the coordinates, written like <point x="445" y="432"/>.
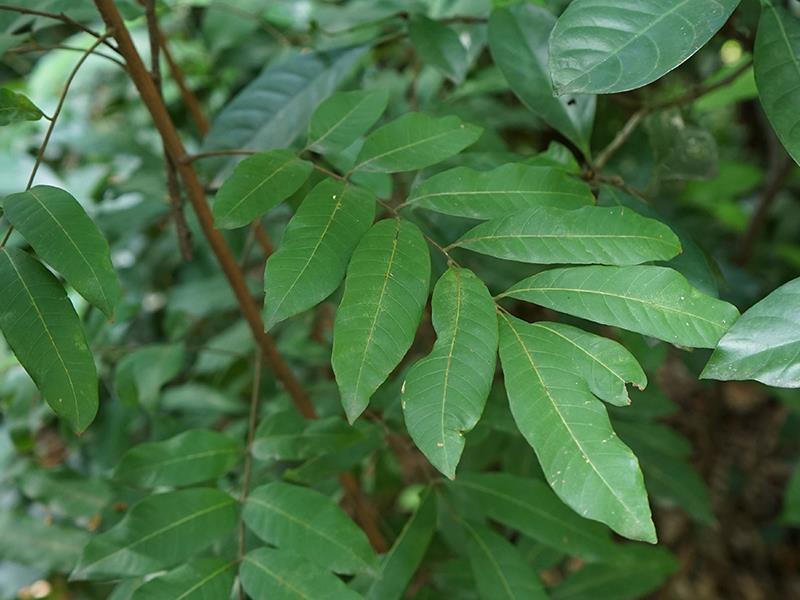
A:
<point x="152" y="99"/>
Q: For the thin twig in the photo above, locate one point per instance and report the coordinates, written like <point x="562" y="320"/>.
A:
<point x="190" y="158"/>
<point x="54" y="118"/>
<point x="57" y="17"/>
<point x="173" y="187"/>
<point x="619" y="139"/>
<point x="45" y="48"/>
<point x="189" y="99"/>
<point x="252" y="419"/>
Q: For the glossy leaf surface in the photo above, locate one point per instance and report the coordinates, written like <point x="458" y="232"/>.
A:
<point x="199" y="579"/>
<point x="16" y="107"/>
<point x="602" y="48"/>
<point x="338" y="121"/>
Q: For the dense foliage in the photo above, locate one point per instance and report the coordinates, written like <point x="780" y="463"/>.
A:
<point x="381" y="299"/>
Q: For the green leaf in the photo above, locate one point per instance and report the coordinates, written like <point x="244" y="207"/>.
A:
<point x="141" y="374"/>
<point x="42" y="328"/>
<point x="531" y="507"/>
<point x="682" y="151"/>
<point x="344" y="117"/>
<point x="438" y="45"/>
<point x="444" y="393"/>
<point x="303" y="521"/>
<point x="764" y="344"/>
<point x="655" y="301"/>
<point x="635" y="575"/>
<point x="199" y="579"/>
<point x="776" y="67"/>
<point x="286" y="435"/>
<point x="385" y="291"/>
<point x="401" y="562"/>
<point x="190" y="457"/>
<point x="463" y="192"/>
<point x="158" y="532"/>
<point x="498" y="567"/>
<point x="258" y="183"/>
<point x="269" y="574"/>
<point x="414" y="141"/>
<point x="64" y="236"/>
<point x="518" y="40"/>
<point x="15" y="107"/>
<point x="585" y="463"/>
<point x="669" y="478"/>
<point x="272" y="110"/>
<point x="65" y="492"/>
<point x="546" y="235"/>
<point x="598" y="48"/>
<point x="316" y="247"/>
<point x="39" y="544"/>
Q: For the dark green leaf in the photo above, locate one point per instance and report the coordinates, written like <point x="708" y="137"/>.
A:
<point x="401" y="562"/>
<point x="16" y="107"/>
<point x="510" y="188"/>
<point x="438" y="45"/>
<point x="655" y="301"/>
<point x="316" y="247"/>
<point x="546" y="235"/>
<point x="385" y="291"/>
<point x="764" y="344"/>
<point x="498" y="568"/>
<point x="598" y="48"/>
<point x="64" y="236"/>
<point x="581" y="456"/>
<point x="141" y="374"/>
<point x="258" y="183"/>
<point x="158" y="532"/>
<point x="414" y="141"/>
<point x="199" y="579"/>
<point x="193" y="456"/>
<point x="344" y="117"/>
<point x="518" y="37"/>
<point x="42" y="328"/>
<point x="269" y="574"/>
<point x="304" y="522"/>
<point x="444" y="393"/>
<point x="777" y="71"/>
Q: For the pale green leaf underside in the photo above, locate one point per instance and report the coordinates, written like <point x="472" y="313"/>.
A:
<point x="599" y="47"/>
<point x="257" y="184"/>
<point x="400" y="563"/>
<point x="444" y="393"/>
<point x="385" y="291"/>
<point x="199" y="579"/>
<point x="518" y="37"/>
<point x="498" y="568"/>
<point x="654" y="301"/>
<point x="777" y="72"/>
<point x="589" y="235"/>
<point x="42" y="328"/>
<point x="280" y="575"/>
<point x="35" y="542"/>
<point x="303" y="521"/>
<point x="582" y="458"/>
<point x="343" y="118"/>
<point x="464" y="192"/>
<point x="530" y="506"/>
<point x="158" y="532"/>
<point x="414" y="141"/>
<point x="64" y="236"/>
<point x="190" y="457"/>
<point x="764" y="344"/>
<point x="316" y="247"/>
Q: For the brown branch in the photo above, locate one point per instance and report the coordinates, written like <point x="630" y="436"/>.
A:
<point x="263" y="239"/>
<point x="158" y="111"/>
<point x="46" y="47"/>
<point x="173" y="186"/>
<point x="188" y="97"/>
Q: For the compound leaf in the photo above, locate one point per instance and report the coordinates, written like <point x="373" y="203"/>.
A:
<point x="341" y="119"/>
